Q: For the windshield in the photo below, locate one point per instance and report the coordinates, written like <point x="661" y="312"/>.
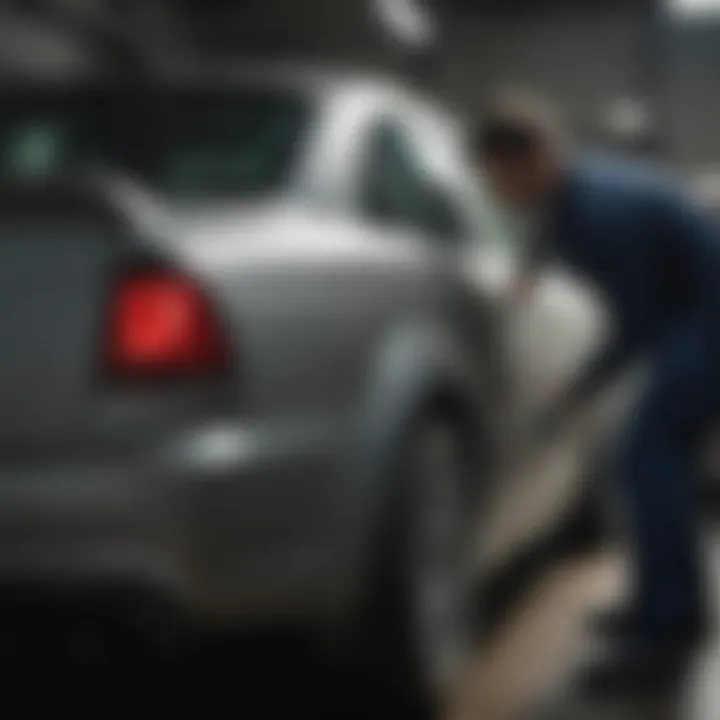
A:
<point x="195" y="143"/>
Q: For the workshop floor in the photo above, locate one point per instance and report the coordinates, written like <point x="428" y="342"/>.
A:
<point x="524" y="672"/>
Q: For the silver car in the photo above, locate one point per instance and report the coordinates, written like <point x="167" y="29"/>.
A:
<point x="267" y="371"/>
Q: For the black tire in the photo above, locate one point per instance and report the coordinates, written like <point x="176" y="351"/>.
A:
<point x="395" y="646"/>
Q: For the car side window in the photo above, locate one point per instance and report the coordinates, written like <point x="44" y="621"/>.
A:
<point x="391" y="188"/>
<point x="399" y="188"/>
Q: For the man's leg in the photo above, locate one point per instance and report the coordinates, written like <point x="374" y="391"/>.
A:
<point x="658" y="480"/>
<point x="660" y="485"/>
<point x="625" y="618"/>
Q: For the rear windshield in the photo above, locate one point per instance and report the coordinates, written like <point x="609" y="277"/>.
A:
<point x="195" y="143"/>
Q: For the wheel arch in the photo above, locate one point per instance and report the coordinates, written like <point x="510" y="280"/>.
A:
<point x="420" y="369"/>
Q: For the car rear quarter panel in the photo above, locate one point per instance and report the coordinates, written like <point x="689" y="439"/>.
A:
<point x="307" y="302"/>
<point x="340" y="327"/>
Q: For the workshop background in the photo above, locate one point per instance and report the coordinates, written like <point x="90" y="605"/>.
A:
<point x="620" y="67"/>
<point x="640" y="76"/>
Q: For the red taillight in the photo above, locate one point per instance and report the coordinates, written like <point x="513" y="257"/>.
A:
<point x="161" y="324"/>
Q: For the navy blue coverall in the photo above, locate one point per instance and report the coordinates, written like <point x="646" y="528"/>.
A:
<point x="657" y="262"/>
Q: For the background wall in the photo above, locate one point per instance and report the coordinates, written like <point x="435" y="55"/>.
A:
<point x="689" y="100"/>
<point x="585" y="55"/>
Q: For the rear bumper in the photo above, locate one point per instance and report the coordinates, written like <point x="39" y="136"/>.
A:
<point x="225" y="524"/>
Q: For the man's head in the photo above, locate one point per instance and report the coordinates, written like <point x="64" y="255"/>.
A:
<point x="519" y="145"/>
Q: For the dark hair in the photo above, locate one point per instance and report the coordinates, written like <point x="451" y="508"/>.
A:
<point x="515" y="126"/>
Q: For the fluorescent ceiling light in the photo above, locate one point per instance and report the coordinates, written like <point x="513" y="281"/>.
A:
<point x="409" y="21"/>
<point x="694" y="8"/>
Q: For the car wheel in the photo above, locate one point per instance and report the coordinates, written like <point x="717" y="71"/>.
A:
<point x="423" y="625"/>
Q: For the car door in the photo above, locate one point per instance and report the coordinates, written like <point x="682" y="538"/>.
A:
<point x="443" y="215"/>
<point x="551" y="336"/>
<point x="538" y="345"/>
<point x="406" y="185"/>
<point x="545" y="341"/>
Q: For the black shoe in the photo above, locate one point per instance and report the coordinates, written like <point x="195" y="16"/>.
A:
<point x="636" y="668"/>
<point x="627" y="622"/>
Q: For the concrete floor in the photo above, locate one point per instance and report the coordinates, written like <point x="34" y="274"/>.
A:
<point x="527" y="672"/>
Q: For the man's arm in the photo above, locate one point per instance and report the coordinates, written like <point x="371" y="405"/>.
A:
<point x="686" y="243"/>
